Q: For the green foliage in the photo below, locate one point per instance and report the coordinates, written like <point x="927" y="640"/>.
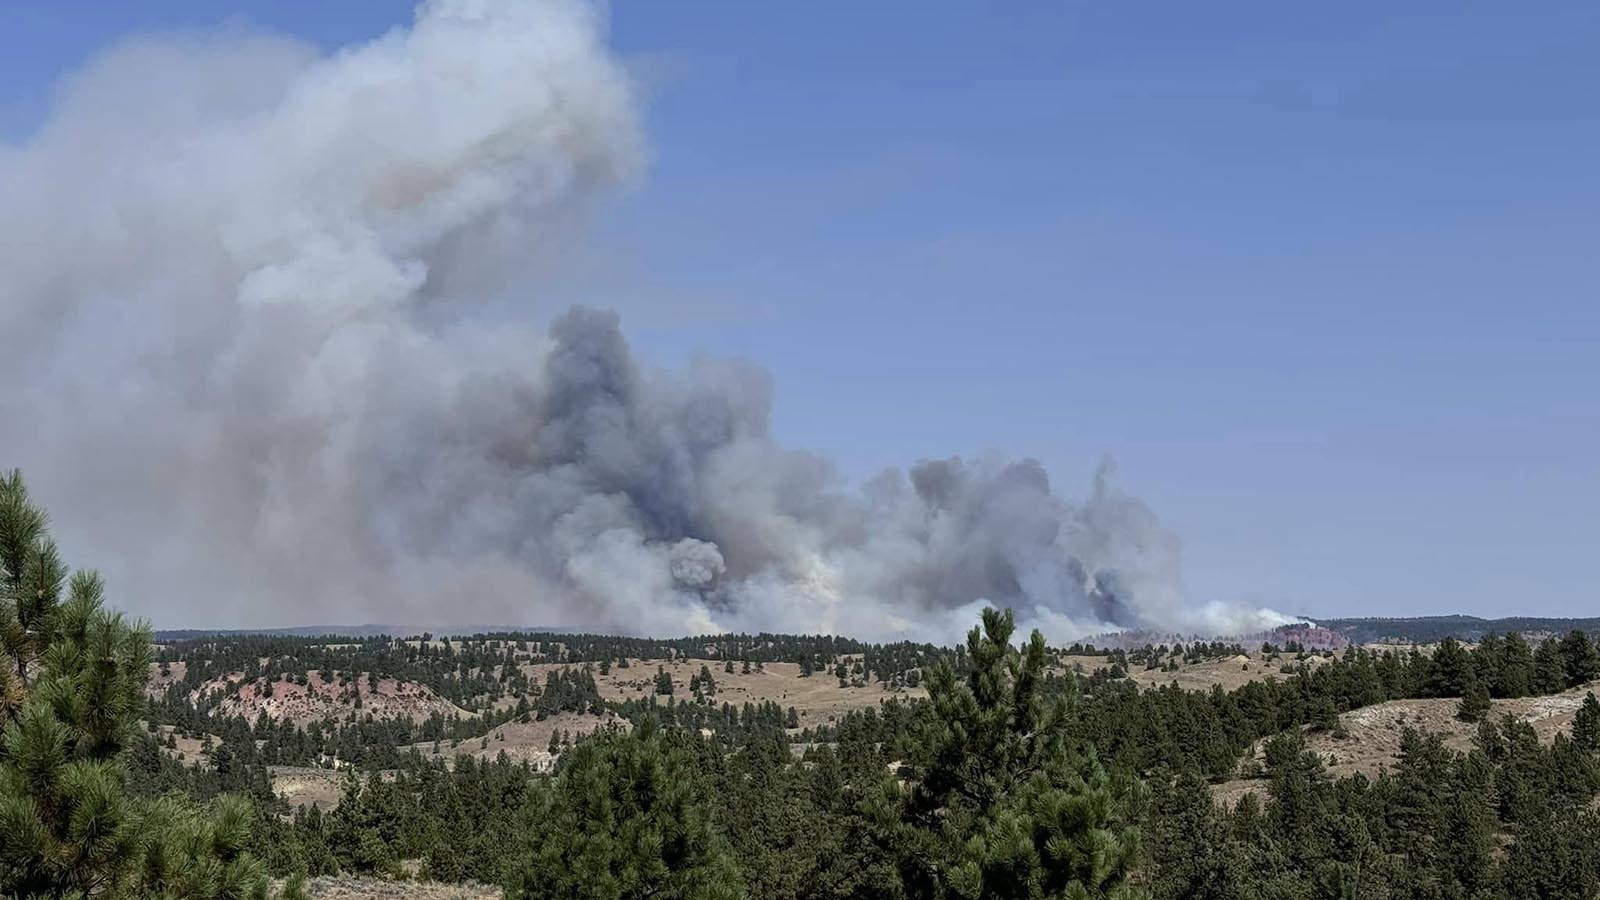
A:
<point x="1474" y="705"/>
<point x="624" y="817"/>
<point x="1586" y="725"/>
<point x="1579" y="658"/>
<point x="1004" y="808"/>
<point x="73" y="689"/>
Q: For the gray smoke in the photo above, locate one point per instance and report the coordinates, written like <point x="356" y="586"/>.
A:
<point x="269" y="330"/>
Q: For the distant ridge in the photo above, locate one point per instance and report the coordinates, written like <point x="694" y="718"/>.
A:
<point x="1427" y="629"/>
<point x="1356" y="630"/>
<point x="351" y="631"/>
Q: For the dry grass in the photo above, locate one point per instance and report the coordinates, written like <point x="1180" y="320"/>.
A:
<point x="317" y="700"/>
<point x="302" y="786"/>
<point x="1231" y="673"/>
<point x="818" y="699"/>
<point x="188" y="750"/>
<point x="1372" y="740"/>
<point x="522" y="741"/>
<point x="158" y="683"/>
<point x="344" y="887"/>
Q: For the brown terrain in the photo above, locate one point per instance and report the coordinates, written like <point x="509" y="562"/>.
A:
<point x="347" y="888"/>
<point x="523" y="741"/>
<point x="1230" y="672"/>
<point x="317" y="700"/>
<point x="303" y="786"/>
<point x="817" y="699"/>
<point x="1372" y="742"/>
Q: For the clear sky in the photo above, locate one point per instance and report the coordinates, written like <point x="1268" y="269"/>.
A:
<point x="1322" y="279"/>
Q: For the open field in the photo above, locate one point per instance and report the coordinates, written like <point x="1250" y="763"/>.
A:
<point x="1230" y="672"/>
<point x="306" y="786"/>
<point x="523" y="741"/>
<point x="818" y="700"/>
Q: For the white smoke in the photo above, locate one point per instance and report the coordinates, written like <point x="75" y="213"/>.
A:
<point x="250" y="367"/>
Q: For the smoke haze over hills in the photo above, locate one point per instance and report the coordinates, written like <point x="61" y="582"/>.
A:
<point x="245" y="299"/>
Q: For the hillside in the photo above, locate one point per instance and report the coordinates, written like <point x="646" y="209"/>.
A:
<point x="423" y="737"/>
<point x="1431" y="629"/>
<point x="304" y="697"/>
<point x="1369" y="738"/>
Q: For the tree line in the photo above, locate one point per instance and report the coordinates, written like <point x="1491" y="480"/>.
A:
<point x="1016" y="776"/>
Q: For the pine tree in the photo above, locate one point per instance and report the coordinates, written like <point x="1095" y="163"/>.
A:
<point x="73" y="682"/>
<point x="624" y="818"/>
<point x="1004" y="808"/>
<point x="1451" y="669"/>
<point x="1549" y="670"/>
<point x="1474" y="703"/>
<point x="1586" y="725"/>
<point x="1579" y="658"/>
<point x="1516" y="667"/>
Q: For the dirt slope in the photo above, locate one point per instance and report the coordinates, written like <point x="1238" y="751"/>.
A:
<point x="1372" y="742"/>
<point x="317" y="700"/>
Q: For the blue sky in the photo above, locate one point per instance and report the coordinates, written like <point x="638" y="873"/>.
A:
<point x="1320" y="279"/>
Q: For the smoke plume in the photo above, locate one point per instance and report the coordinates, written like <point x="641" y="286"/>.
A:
<point x="253" y="366"/>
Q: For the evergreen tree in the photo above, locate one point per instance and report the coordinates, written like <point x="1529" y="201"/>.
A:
<point x="624" y="818"/>
<point x="1004" y="808"/>
<point x="1579" y="658"/>
<point x="1586" y="725"/>
<point x="1488" y="660"/>
<point x="1549" y="670"/>
<point x="1516" y="667"/>
<point x="1451" y="668"/>
<point x="1198" y="861"/>
<point x="72" y="689"/>
<point x="1474" y="705"/>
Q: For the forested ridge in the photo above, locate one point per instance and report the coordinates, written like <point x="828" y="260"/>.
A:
<point x="999" y="768"/>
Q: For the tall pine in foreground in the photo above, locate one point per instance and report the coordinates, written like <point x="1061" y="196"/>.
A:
<point x="624" y="817"/>
<point x="72" y="676"/>
<point x="1003" y="807"/>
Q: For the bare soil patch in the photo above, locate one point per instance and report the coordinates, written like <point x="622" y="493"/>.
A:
<point x="304" y="786"/>
<point x="818" y="699"/>
<point x="1231" y="673"/>
<point x="161" y="679"/>
<point x="344" y="887"/>
<point x="1373" y="733"/>
<point x="317" y="700"/>
<point x="522" y="741"/>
